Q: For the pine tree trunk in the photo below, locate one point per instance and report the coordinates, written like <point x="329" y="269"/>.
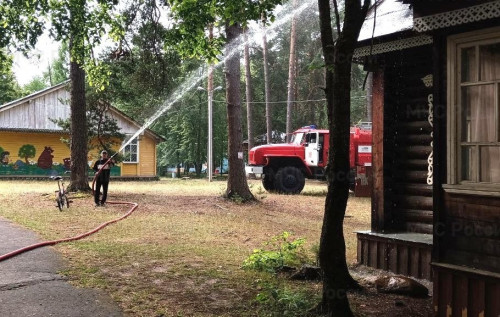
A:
<point x="291" y="77"/>
<point x="338" y="57"/>
<point x="248" y="91"/>
<point x="79" y="136"/>
<point x="210" y="90"/>
<point x="267" y="91"/>
<point x="198" y="161"/>
<point x="237" y="185"/>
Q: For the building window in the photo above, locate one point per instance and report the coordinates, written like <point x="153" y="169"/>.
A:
<point x="474" y="109"/>
<point x="131" y="152"/>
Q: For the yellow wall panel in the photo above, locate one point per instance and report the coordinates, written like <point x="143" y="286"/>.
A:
<point x="129" y="169"/>
<point x="13" y="141"/>
<point x="147" y="156"/>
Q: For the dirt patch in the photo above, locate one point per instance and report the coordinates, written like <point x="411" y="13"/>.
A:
<point x="180" y="253"/>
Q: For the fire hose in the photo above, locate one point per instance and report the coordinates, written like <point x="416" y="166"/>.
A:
<point x="132" y="205"/>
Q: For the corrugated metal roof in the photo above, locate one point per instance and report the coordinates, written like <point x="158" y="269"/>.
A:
<point x="390" y="16"/>
<point x="32" y="130"/>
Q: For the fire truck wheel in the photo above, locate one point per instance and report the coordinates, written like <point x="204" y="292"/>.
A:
<point x="268" y="180"/>
<point x="289" y="180"/>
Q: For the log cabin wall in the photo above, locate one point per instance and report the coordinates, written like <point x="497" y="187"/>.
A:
<point x="466" y="255"/>
<point x="402" y="208"/>
<point x="407" y="141"/>
<point x="470" y="234"/>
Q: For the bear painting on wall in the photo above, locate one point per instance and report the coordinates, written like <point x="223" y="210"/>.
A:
<point x="67" y="163"/>
<point x="45" y="159"/>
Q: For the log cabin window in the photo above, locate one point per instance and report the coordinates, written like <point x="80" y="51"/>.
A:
<point x="474" y="109"/>
<point x="131" y="152"/>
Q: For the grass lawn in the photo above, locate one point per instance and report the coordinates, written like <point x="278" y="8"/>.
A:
<point x="180" y="253"/>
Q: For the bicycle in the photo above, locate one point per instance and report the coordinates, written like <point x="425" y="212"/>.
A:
<point x="61" y="194"/>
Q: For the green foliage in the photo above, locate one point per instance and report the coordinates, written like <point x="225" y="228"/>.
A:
<point x="102" y="127"/>
<point x="103" y="131"/>
<point x="34" y="85"/>
<point x="9" y="89"/>
<point x="259" y="192"/>
<point x="282" y="252"/>
<point x="315" y="251"/>
<point x="55" y="74"/>
<point x="143" y="75"/>
<point x="274" y="300"/>
<point x="84" y="22"/>
<point x="58" y="70"/>
<point x="185" y="128"/>
<point x="193" y="17"/>
<point x="234" y="198"/>
<point x="311" y="105"/>
<point x="358" y="95"/>
<point x="20" y="20"/>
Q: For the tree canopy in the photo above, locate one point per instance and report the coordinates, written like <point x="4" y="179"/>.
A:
<point x="83" y="25"/>
<point x="9" y="88"/>
<point x="192" y="20"/>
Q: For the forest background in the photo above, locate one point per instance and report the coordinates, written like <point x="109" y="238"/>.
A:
<point x="145" y="68"/>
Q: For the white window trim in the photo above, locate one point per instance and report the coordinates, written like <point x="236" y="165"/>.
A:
<point x="138" y="152"/>
<point x="453" y="160"/>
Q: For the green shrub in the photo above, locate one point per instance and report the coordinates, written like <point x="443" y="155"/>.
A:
<point x="278" y="301"/>
<point x="283" y="252"/>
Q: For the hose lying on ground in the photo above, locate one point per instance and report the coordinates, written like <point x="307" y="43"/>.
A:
<point x="132" y="205"/>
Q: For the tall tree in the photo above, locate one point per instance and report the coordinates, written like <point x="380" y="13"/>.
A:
<point x="338" y="58"/>
<point x="210" y="92"/>
<point x="291" y="76"/>
<point x="237" y="184"/>
<point x="267" y="92"/>
<point x="192" y="18"/>
<point x="248" y="92"/>
<point x="9" y="88"/>
<point x="81" y="23"/>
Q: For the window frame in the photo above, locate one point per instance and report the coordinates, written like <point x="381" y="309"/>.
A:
<point x="137" y="152"/>
<point x="454" y="108"/>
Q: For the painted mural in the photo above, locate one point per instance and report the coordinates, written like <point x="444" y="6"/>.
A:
<point x="44" y="165"/>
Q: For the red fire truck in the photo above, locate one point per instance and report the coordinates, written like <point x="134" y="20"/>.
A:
<point x="284" y="167"/>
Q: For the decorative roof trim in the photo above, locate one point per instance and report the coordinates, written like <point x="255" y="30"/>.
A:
<point x="391" y="46"/>
<point x="475" y="13"/>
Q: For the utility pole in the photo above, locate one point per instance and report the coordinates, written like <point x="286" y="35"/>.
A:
<point x="210" y="93"/>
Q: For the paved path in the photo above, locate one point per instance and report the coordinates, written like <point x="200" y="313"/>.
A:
<point x="31" y="286"/>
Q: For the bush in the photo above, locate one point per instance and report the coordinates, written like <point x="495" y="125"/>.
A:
<point x="277" y="301"/>
<point x="283" y="252"/>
